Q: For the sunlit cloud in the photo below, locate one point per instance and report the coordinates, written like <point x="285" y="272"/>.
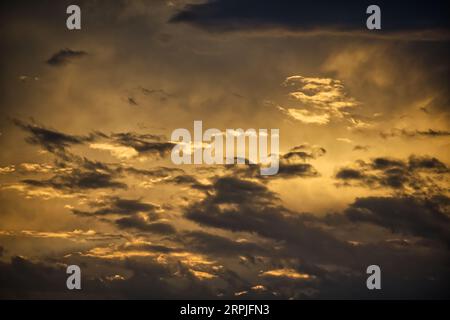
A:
<point x="287" y="273"/>
<point x="121" y="152"/>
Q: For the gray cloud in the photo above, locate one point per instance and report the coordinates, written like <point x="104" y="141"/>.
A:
<point x="360" y="148"/>
<point x="325" y="15"/>
<point x="138" y="223"/>
<point x="137" y="215"/>
<point x="418" y="174"/>
<point x="428" y="218"/>
<point x="219" y="246"/>
<point x="88" y="175"/>
<point x="49" y="139"/>
<point x="143" y="143"/>
<point x="245" y="206"/>
<point x="64" y="56"/>
<point x="24" y="279"/>
<point x="431" y="133"/>
<point x="291" y="165"/>
<point x="119" y="206"/>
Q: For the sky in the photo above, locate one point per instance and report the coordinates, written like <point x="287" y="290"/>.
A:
<point x="86" y="176"/>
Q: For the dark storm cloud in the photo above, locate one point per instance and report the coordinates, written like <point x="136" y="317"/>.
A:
<point x="427" y="218"/>
<point x="431" y="133"/>
<point x="23" y="279"/>
<point x="303" y="243"/>
<point x="328" y="15"/>
<point x="421" y="174"/>
<point x="65" y="56"/>
<point x="245" y="206"/>
<point x="151" y="280"/>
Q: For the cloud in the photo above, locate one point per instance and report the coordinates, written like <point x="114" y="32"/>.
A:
<point x="75" y="173"/>
<point x="417" y="175"/>
<point x="134" y="213"/>
<point x="344" y="140"/>
<point x="7" y="169"/>
<point x="321" y="93"/>
<point x="291" y="165"/>
<point x="361" y="148"/>
<point x="132" y="101"/>
<point x="286" y="273"/>
<point x="158" y="93"/>
<point x="141" y="224"/>
<point x="76" y="235"/>
<point x="311" y="17"/>
<point x="288" y="169"/>
<point x="430" y="133"/>
<point x="244" y="206"/>
<point x="144" y="144"/>
<point x="220" y="246"/>
<point x="319" y="101"/>
<point x="71" y="177"/>
<point x="78" y="180"/>
<point x="64" y="57"/>
<point x="156" y="172"/>
<point x="234" y="236"/>
<point x="43" y="192"/>
<point x="24" y="279"/>
<point x="120" y="152"/>
<point x="426" y="218"/>
<point x="304" y="152"/>
<point x="188" y="180"/>
<point x="306" y="116"/>
<point x="303" y="245"/>
<point x="119" y="206"/>
<point x="125" y="145"/>
<point x="49" y="139"/>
